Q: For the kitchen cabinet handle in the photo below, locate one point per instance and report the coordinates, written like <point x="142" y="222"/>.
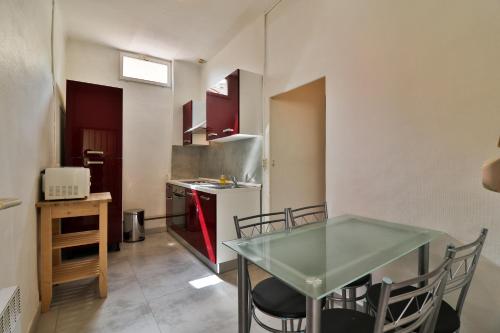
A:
<point x="94" y="152"/>
<point x="170" y="199"/>
<point x="189" y="193"/>
<point x="204" y="197"/>
<point x="87" y="163"/>
<point x="230" y="130"/>
<point x="179" y="195"/>
<point x="212" y="134"/>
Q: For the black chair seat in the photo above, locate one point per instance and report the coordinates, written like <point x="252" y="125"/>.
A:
<point x="346" y="321"/>
<point x="448" y="320"/>
<point x="276" y="298"/>
<point x="359" y="282"/>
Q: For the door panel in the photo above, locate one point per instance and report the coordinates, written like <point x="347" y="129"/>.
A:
<point x="199" y="229"/>
<point x="223" y="110"/>
<point x="187" y="123"/>
<point x="93" y="138"/>
<point x="208" y="220"/>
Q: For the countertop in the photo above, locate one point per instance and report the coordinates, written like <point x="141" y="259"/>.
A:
<point x="93" y="197"/>
<point x="246" y="186"/>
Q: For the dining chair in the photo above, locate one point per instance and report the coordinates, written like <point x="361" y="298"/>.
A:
<point x="308" y="214"/>
<point x="271" y="296"/>
<point x="401" y="309"/>
<point x="354" y="291"/>
<point x="462" y="270"/>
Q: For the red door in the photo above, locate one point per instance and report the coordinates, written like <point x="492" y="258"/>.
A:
<point x="93" y="138"/>
<point x="208" y="223"/>
<point x="187" y="123"/>
<point x="223" y="110"/>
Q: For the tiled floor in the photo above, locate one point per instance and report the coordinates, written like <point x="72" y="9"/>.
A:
<point x="149" y="291"/>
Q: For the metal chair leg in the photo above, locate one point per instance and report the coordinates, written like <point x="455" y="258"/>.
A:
<point x="284" y="327"/>
<point x="352" y="298"/>
<point x="344" y="298"/>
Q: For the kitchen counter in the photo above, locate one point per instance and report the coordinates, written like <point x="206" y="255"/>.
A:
<point x="200" y="216"/>
<point x="242" y="187"/>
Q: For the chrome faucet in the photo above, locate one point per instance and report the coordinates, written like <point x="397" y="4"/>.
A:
<point x="235" y="181"/>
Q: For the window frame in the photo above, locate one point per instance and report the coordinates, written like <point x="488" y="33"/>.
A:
<point x="144" y="57"/>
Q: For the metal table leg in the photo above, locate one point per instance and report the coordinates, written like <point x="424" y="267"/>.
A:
<point x="313" y="315"/>
<point x="243" y="311"/>
<point x="423" y="261"/>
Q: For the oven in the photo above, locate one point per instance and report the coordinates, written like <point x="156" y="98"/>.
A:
<point x="176" y="211"/>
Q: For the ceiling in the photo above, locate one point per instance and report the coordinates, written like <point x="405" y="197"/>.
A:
<point x="170" y="29"/>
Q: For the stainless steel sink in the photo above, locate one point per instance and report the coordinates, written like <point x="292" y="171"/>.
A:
<point x="205" y="183"/>
<point x="220" y="186"/>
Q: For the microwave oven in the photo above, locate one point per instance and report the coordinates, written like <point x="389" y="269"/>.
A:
<point x="66" y="183"/>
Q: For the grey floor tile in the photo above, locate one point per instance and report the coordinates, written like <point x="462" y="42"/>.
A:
<point x="193" y="310"/>
<point x="149" y="291"/>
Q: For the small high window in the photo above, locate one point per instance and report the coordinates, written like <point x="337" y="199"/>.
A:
<point x="140" y="68"/>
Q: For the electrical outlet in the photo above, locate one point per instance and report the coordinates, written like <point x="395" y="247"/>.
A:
<point x="264" y="163"/>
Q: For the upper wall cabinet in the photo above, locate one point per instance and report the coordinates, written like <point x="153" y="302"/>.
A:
<point x="194" y="123"/>
<point x="234" y="107"/>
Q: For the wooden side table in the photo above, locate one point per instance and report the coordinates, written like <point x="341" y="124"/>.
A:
<point x="52" y="269"/>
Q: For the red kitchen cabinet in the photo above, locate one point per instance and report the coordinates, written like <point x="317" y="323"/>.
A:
<point x="234" y="107"/>
<point x="93" y="139"/>
<point x="194" y="123"/>
<point x="200" y="228"/>
<point x="223" y="109"/>
<point x="187" y="120"/>
<point x="208" y="223"/>
<point x="191" y="212"/>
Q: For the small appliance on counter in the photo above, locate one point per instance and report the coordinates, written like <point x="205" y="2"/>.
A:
<point x="66" y="183"/>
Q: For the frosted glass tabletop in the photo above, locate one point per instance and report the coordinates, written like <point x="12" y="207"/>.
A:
<point x="318" y="258"/>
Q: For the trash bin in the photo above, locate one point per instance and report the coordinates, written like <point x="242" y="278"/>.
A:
<point x="133" y="225"/>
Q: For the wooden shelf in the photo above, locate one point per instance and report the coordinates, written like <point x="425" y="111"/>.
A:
<point x="9" y="202"/>
<point x="55" y="271"/>
<point x="76" y="270"/>
<point x="62" y="241"/>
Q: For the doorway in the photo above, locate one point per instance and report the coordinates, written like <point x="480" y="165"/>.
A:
<point x="297" y="146"/>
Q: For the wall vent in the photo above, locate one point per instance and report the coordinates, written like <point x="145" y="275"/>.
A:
<point x="10" y="307"/>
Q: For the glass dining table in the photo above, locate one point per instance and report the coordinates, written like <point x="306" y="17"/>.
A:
<point x="319" y="258"/>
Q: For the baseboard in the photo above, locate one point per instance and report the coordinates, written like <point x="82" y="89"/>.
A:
<point x="36" y="318"/>
<point x="155" y="230"/>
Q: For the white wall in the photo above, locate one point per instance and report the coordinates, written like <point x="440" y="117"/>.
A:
<point x="244" y="51"/>
<point x="187" y="76"/>
<point x="59" y="98"/>
<point x="26" y="138"/>
<point x="413" y="111"/>
<point x="147" y="114"/>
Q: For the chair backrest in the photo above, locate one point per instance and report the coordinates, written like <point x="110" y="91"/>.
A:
<point x="463" y="267"/>
<point x="308" y="214"/>
<point x="418" y="307"/>
<point x="259" y="224"/>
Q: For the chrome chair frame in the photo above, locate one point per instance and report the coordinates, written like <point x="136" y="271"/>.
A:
<point x="267" y="223"/>
<point x="462" y="280"/>
<point x="317" y="213"/>
<point x="425" y="318"/>
<point x="298" y="216"/>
